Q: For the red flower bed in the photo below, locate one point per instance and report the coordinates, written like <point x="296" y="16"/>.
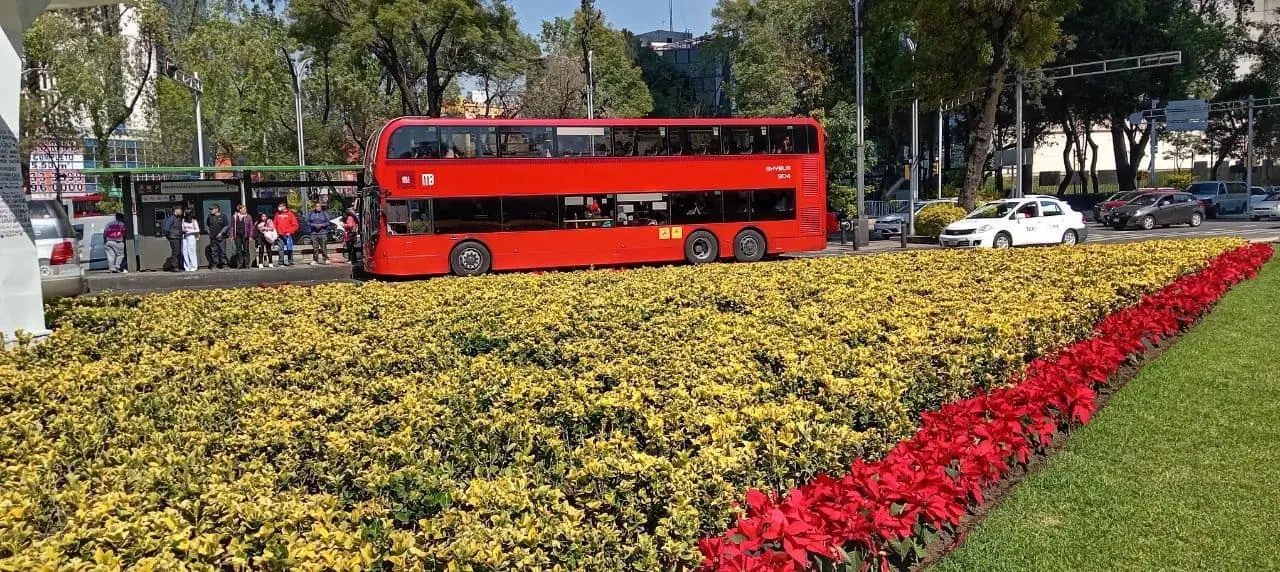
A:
<point x="882" y="515"/>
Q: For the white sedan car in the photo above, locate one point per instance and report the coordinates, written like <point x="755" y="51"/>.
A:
<point x="1034" y="219"/>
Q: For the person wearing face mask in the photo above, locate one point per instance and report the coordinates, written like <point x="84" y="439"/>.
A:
<point x="286" y="224"/>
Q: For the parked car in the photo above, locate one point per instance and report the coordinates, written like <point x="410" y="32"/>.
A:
<point x="1269" y="207"/>
<point x="1221" y="197"/>
<point x="1150" y="210"/>
<point x="1257" y="195"/>
<point x="890" y="226"/>
<point x="1033" y="219"/>
<point x="1102" y="210"/>
<point x="61" y="272"/>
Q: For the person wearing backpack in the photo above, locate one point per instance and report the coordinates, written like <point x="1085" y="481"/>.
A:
<point x="113" y="237"/>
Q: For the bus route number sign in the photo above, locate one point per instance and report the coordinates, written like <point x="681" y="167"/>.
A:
<point x="428" y="180"/>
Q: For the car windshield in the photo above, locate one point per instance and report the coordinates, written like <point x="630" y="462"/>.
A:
<point x="1203" y="189"/>
<point x="1273" y="197"/>
<point x="994" y="210"/>
<point x="1125" y="196"/>
<point x="1145" y="200"/>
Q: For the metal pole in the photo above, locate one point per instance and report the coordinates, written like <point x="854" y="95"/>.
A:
<point x="914" y="188"/>
<point x="302" y="145"/>
<point x="1017" y="141"/>
<point x="591" y="84"/>
<point x="939" y="158"/>
<point x="1155" y="136"/>
<point x="199" y="131"/>
<point x="860" y="233"/>
<point x="1248" y="145"/>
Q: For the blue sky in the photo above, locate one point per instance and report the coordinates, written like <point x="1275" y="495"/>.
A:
<point x="635" y="15"/>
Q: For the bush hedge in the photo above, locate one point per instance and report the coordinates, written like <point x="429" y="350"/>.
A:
<point x="582" y="420"/>
<point x="932" y="219"/>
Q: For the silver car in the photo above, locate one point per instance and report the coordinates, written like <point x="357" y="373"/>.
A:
<point x="1268" y="207"/>
<point x="61" y="272"/>
<point x="890" y="226"/>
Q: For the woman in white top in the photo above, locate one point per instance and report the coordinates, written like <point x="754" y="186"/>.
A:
<point x="190" y="233"/>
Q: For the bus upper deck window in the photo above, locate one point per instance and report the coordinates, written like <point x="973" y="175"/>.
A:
<point x="414" y="142"/>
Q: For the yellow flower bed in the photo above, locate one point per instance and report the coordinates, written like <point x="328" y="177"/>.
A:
<point x="585" y="421"/>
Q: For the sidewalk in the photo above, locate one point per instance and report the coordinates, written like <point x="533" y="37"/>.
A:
<point x="204" y="278"/>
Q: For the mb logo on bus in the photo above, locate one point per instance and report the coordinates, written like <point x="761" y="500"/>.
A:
<point x="428" y="180"/>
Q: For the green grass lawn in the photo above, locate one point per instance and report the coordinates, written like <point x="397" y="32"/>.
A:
<point x="1180" y="472"/>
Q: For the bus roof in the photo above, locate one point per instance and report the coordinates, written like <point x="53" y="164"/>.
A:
<point x="582" y="122"/>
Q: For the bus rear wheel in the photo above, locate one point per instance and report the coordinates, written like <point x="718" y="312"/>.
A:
<point x="749" y="246"/>
<point x="470" y="259"/>
<point x="701" y="247"/>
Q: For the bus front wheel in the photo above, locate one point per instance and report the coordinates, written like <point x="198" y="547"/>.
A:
<point x="749" y="246"/>
<point x="701" y="247"/>
<point x="470" y="259"/>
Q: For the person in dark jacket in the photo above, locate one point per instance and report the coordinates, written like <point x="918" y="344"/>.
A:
<point x="318" y="225"/>
<point x="242" y="230"/>
<point x="172" y="230"/>
<point x="217" y="226"/>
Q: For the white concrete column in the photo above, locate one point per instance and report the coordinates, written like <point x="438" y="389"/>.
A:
<point x="21" y="303"/>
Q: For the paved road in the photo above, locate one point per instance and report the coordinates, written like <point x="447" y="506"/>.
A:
<point x="1211" y="228"/>
<point x="1240" y="227"/>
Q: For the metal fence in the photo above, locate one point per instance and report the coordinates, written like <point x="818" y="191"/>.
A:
<point x="885" y="208"/>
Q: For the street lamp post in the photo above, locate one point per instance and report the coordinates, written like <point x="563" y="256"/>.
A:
<point x="909" y="46"/>
<point x="302" y="144"/>
<point x="861" y="234"/>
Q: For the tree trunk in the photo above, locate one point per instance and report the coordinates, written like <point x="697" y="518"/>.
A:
<point x="1125" y="174"/>
<point x="1066" y="156"/>
<point x="981" y="144"/>
<point x="1093" y="161"/>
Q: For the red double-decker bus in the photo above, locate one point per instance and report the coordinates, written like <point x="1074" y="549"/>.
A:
<point x="466" y="196"/>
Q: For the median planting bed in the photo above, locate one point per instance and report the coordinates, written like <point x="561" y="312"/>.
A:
<point x="586" y="420"/>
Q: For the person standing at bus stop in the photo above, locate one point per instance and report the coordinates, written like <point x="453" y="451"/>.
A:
<point x="318" y="225"/>
<point x="286" y="226"/>
<point x="113" y="236"/>
<point x="350" y="226"/>
<point x="242" y="228"/>
<point x="217" y="226"/>
<point x="172" y="230"/>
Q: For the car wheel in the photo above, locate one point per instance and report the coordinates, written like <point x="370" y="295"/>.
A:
<point x="1212" y="211"/>
<point x="748" y="246"/>
<point x="1255" y="218"/>
<point x="1148" y="222"/>
<point x="1002" y="240"/>
<point x="1070" y="238"/>
<point x="701" y="247"/>
<point x="305" y="240"/>
<point x="1196" y="220"/>
<point x="470" y="259"/>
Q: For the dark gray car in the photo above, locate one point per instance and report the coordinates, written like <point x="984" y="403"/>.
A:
<point x="1150" y="210"/>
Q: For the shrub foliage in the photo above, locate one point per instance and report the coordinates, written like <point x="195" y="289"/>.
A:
<point x="584" y="420"/>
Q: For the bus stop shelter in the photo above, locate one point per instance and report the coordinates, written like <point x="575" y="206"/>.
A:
<point x="148" y="196"/>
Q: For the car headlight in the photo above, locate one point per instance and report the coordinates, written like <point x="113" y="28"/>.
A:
<point x="984" y="228"/>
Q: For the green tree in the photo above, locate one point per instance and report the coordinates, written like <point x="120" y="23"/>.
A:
<point x="422" y="46"/>
<point x="971" y="46"/>
<point x="242" y="59"/>
<point x="841" y="128"/>
<point x="1104" y="29"/>
<point x="778" y="52"/>
<point x="560" y="81"/>
<point x="99" y="76"/>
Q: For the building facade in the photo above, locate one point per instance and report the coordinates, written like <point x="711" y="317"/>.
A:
<point x="706" y="69"/>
